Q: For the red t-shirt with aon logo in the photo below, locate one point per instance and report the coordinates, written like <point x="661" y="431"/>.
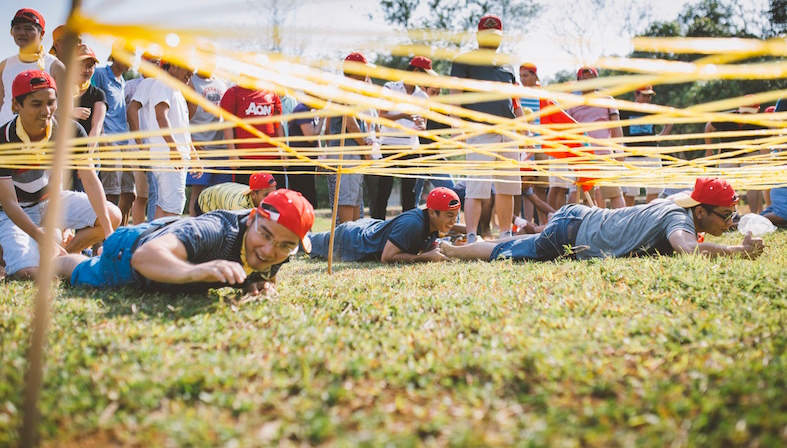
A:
<point x="246" y="103"/>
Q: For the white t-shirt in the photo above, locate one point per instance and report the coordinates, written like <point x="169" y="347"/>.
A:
<point x="142" y="95"/>
<point x="13" y="67"/>
<point x="178" y="115"/>
<point x="403" y="139"/>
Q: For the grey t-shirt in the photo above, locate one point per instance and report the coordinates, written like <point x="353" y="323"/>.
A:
<point x="464" y="66"/>
<point x="212" y="89"/>
<point x="632" y="231"/>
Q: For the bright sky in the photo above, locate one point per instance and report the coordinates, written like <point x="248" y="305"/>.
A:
<point x="346" y="26"/>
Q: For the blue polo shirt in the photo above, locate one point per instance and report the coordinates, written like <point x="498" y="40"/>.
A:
<point x="104" y="79"/>
<point x="364" y="240"/>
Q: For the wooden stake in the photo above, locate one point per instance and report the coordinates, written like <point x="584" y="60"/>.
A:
<point x="40" y="319"/>
<point x="336" y="197"/>
<point x="591" y="203"/>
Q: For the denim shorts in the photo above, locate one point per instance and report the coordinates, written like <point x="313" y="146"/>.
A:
<point x="113" y="266"/>
<point x="560" y="231"/>
<point x="778" y="203"/>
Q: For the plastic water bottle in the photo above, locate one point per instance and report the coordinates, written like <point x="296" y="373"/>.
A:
<point x="758" y="225"/>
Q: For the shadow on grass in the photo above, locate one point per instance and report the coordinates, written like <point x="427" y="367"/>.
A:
<point x="317" y="266"/>
<point x="130" y="301"/>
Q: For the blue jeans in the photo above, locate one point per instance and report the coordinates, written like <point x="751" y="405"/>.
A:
<point x="113" y="267"/>
<point x="152" y="195"/>
<point x="560" y="231"/>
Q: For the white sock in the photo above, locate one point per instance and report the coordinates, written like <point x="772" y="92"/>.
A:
<point x="471" y="238"/>
<point x="520" y="222"/>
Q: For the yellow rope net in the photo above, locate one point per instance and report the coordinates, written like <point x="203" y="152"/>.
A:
<point x="753" y="161"/>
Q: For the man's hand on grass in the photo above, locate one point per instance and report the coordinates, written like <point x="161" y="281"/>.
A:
<point x="222" y="271"/>
<point x="752" y="247"/>
<point x="265" y="288"/>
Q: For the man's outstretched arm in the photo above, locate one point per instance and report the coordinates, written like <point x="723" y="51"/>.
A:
<point x="392" y="254"/>
<point x="165" y="260"/>
<point x="686" y="243"/>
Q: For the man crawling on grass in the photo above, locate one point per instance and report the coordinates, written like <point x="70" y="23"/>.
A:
<point x="407" y="238"/>
<point x="242" y="249"/>
<point x="659" y="227"/>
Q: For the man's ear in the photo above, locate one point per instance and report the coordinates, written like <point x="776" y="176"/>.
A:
<point x="15" y="106"/>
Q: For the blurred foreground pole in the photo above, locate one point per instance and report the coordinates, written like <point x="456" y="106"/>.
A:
<point x="40" y="319"/>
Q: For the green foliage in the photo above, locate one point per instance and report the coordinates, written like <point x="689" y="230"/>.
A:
<point x="650" y="352"/>
<point x="708" y="18"/>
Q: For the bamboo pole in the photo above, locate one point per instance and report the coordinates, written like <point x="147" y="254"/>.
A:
<point x="336" y="198"/>
<point x="40" y="319"/>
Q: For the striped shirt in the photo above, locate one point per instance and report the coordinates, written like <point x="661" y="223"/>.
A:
<point x="31" y="185"/>
<point x="226" y="196"/>
<point x="213" y="236"/>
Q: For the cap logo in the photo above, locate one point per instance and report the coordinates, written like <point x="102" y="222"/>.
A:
<point x="490" y="23"/>
<point x="273" y="215"/>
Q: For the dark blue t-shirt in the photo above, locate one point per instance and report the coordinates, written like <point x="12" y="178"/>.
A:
<point x="467" y="66"/>
<point x="364" y="240"/>
<point x="294" y="127"/>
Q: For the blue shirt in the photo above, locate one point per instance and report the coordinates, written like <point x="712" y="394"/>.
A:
<point x="781" y="105"/>
<point x="104" y="79"/>
<point x="364" y="240"/>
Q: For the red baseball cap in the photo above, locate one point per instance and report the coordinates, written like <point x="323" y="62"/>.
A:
<point x="751" y="108"/>
<point x="85" y="52"/>
<point x="647" y="90"/>
<point x="27" y="15"/>
<point x="31" y="80"/>
<point x="443" y="199"/>
<point x="709" y="191"/>
<point x="529" y="66"/>
<point x="290" y="209"/>
<point x="260" y="181"/>
<point x="584" y="70"/>
<point x="490" y="23"/>
<point x="359" y="58"/>
<point x="423" y="63"/>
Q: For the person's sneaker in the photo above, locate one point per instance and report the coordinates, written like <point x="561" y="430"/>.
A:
<point x="471" y="237"/>
<point x="506" y="234"/>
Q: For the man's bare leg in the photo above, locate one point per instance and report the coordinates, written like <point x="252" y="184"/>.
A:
<point x="89" y="236"/>
<point x="64" y="266"/>
<point x="124" y="204"/>
<point x="504" y="209"/>
<point x="348" y="213"/>
<point x="160" y="213"/>
<point x="138" y="209"/>
<point x="480" y="250"/>
<point x="617" y="202"/>
<point x="754" y="198"/>
<point x="195" y="192"/>
<point x="557" y="197"/>
<point x="473" y="212"/>
<point x="776" y="220"/>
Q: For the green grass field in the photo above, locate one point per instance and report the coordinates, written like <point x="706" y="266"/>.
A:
<point x="658" y="352"/>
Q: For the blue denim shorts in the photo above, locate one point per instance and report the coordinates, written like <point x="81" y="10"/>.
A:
<point x="778" y="203"/>
<point x="113" y="266"/>
<point x="561" y="231"/>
